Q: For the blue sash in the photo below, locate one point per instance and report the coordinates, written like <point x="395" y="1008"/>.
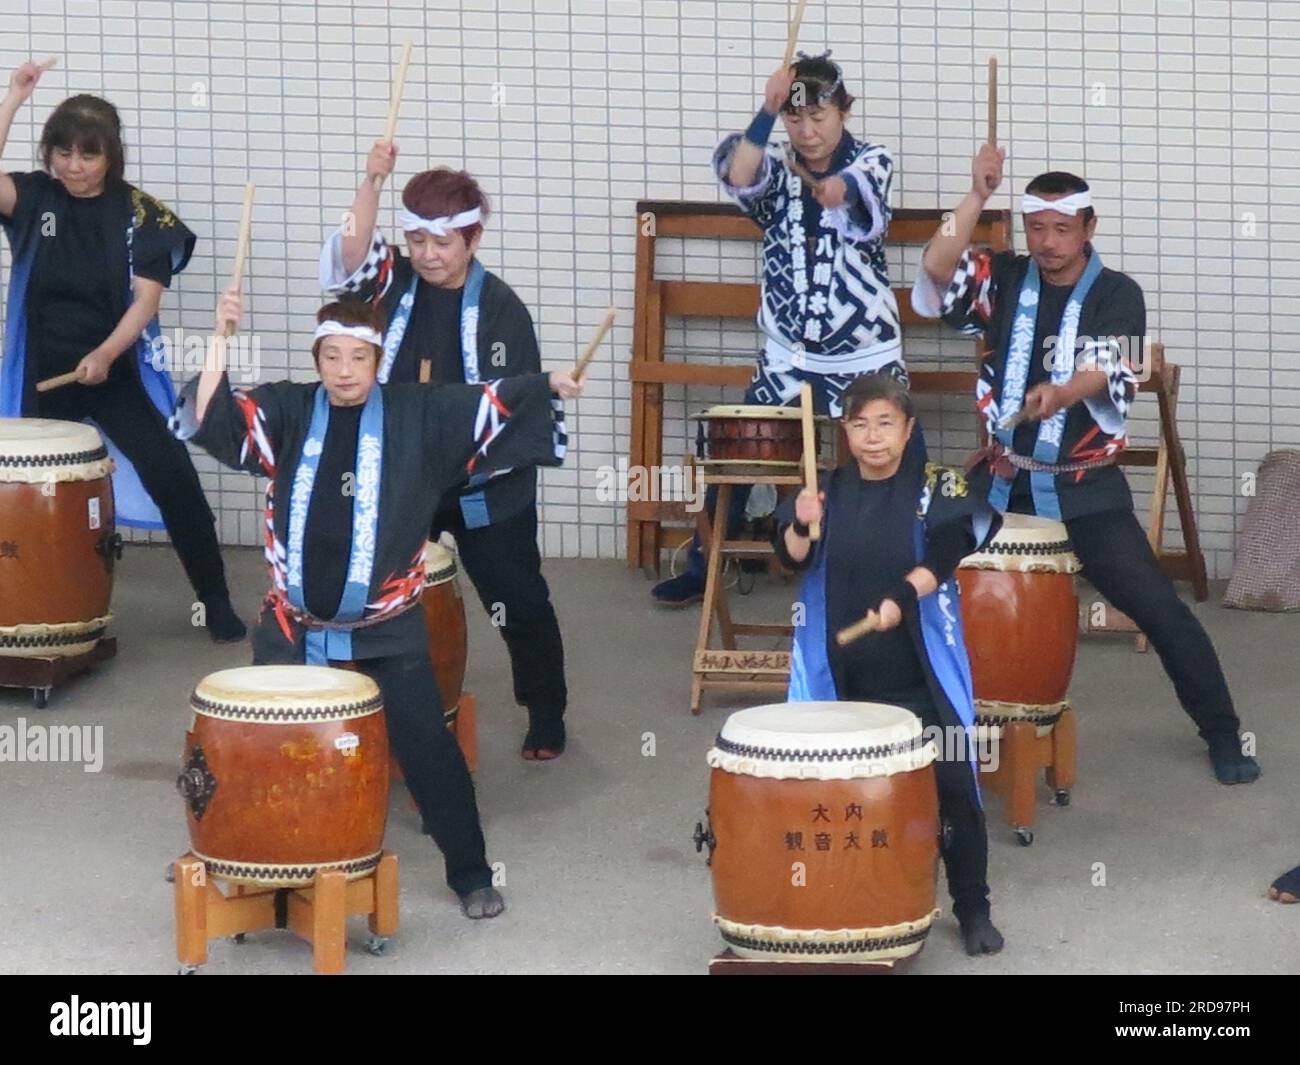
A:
<point x="1015" y="375"/>
<point x="131" y="503"/>
<point x="325" y="644"/>
<point x="468" y="324"/>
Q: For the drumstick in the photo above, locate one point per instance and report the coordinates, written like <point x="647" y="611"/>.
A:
<point x="794" y="33"/>
<point x="395" y="102"/>
<point x="804" y="173"/>
<point x="858" y="629"/>
<point x="58" y="382"/>
<point x="241" y="248"/>
<point x="809" y="453"/>
<point x="993" y="101"/>
<point x="47" y="64"/>
<point x="1019" y="418"/>
<point x="590" y="353"/>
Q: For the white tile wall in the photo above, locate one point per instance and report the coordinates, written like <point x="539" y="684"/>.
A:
<point x="1184" y="115"/>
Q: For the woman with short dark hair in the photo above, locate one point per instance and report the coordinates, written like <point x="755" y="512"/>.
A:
<point x="450" y="321"/>
<point x="894" y="528"/>
<point x="91" y="257"/>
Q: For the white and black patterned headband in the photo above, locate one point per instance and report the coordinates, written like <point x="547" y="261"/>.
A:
<point x="838" y="84"/>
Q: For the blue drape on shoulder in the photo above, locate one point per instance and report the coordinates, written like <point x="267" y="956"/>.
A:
<point x="140" y="229"/>
<point x="942" y="495"/>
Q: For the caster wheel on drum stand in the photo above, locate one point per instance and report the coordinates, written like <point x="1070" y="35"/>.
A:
<point x="187" y="970"/>
<point x="41" y="697"/>
<point x="170" y="874"/>
<point x="1062" y="797"/>
<point x="377" y="945"/>
<point x="1024" y="836"/>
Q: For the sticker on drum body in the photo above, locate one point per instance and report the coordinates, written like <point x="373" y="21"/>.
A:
<point x="94" y="512"/>
<point x="348" y="743"/>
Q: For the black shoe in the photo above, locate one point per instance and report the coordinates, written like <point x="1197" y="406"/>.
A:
<point x="224" y="625"/>
<point x="1231" y="766"/>
<point x="979" y="935"/>
<point x="679" y="591"/>
<point x="482" y="902"/>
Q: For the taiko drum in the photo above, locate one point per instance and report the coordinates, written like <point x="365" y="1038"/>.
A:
<point x="285" y="774"/>
<point x="823" y="832"/>
<point x="444" y="616"/>
<point x="57" y="538"/>
<point x="752" y="433"/>
<point x="1020" y="612"/>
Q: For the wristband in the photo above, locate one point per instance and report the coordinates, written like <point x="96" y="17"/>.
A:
<point x="760" y="130"/>
<point x="800" y="529"/>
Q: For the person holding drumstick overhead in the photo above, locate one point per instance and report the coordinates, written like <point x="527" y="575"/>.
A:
<point x="450" y="321"/>
<point x="1062" y="332"/>
<point x="355" y="471"/>
<point x="92" y="255"/>
<point x="894" y="528"/>
<point x="826" y="310"/>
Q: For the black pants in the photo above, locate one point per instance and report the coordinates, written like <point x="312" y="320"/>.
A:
<point x="963" y="835"/>
<point x="124" y="412"/>
<point x="1117" y="559"/>
<point x="505" y="567"/>
<point x="432" y="764"/>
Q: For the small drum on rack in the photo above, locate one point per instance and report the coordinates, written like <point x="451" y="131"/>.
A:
<point x="1020" y="613"/>
<point x="752" y="434"/>
<point x="57" y="538"/>
<point x="444" y="616"/>
<point x="823" y="832"/>
<point x="285" y="774"/>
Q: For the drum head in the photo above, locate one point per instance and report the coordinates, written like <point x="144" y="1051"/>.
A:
<point x="749" y="410"/>
<point x="1027" y="543"/>
<point x="34" y="450"/>
<point x="821" y="740"/>
<point x="439" y="563"/>
<point x="280" y="694"/>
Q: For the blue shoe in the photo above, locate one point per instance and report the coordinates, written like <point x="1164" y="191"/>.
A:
<point x="679" y="591"/>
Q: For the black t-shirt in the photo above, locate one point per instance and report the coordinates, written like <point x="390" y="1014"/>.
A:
<point x="432" y="333"/>
<point x="327" y="539"/>
<point x="72" y="302"/>
<point x="866" y="558"/>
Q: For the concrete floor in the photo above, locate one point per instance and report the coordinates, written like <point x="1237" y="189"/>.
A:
<point x="601" y="875"/>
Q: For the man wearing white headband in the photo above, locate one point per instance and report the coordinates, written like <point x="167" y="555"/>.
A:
<point x="450" y="321"/>
<point x="355" y="471"/>
<point x="1061" y="333"/>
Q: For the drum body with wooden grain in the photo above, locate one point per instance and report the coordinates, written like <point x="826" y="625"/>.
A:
<point x="286" y="773"/>
<point x="444" y="616"/>
<point x="823" y="831"/>
<point x="753" y="434"/>
<point x="57" y="537"/>
<point x="1020" y="613"/>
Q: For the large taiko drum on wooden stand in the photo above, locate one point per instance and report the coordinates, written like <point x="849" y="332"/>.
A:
<point x="1020" y="612"/>
<point x="286" y="773"/>
<point x="57" y="538"/>
<point x="823" y="832"/>
<point x="753" y="434"/>
<point x="444" y="616"/>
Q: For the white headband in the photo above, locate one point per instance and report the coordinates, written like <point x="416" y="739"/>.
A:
<point x="1071" y="205"/>
<point x="439" y="227"/>
<point x="338" y="329"/>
